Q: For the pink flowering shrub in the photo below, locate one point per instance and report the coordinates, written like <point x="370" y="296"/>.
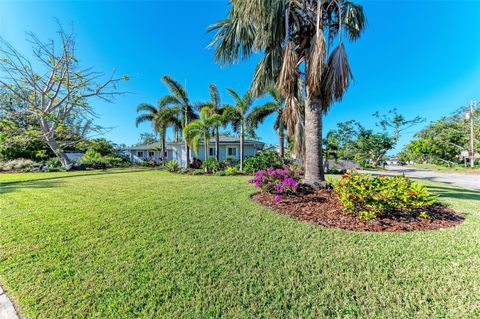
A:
<point x="277" y="181"/>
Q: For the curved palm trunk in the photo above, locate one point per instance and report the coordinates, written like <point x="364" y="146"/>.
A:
<point x="241" y="147"/>
<point x="205" y="148"/>
<point x="217" y="144"/>
<point x="281" y="139"/>
<point x="314" y="173"/>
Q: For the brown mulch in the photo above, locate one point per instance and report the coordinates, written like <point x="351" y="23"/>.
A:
<point x="322" y="207"/>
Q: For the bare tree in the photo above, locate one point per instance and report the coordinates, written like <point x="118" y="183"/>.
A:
<point x="54" y="86"/>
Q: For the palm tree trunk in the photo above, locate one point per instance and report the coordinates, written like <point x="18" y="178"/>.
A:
<point x="314" y="174"/>
<point x="281" y="139"/>
<point x="206" y="151"/>
<point x="164" y="149"/>
<point x="217" y="144"/>
<point x="186" y="145"/>
<point x="241" y="147"/>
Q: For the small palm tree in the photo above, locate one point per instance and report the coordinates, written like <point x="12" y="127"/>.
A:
<point x="161" y="117"/>
<point x="200" y="129"/>
<point x="244" y="119"/>
<point x="213" y="107"/>
<point x="277" y="106"/>
<point x="178" y="98"/>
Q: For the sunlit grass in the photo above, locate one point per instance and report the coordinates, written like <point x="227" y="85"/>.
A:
<point x="151" y="244"/>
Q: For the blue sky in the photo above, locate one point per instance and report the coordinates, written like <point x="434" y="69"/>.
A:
<point x="422" y="57"/>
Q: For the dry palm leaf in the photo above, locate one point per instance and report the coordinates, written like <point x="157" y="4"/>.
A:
<point x="316" y="57"/>
<point x="289" y="72"/>
<point x="336" y="77"/>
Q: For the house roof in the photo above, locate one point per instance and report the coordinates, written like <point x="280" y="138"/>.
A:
<point x="223" y="140"/>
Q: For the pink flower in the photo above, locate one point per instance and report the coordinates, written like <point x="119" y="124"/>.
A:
<point x="277" y="198"/>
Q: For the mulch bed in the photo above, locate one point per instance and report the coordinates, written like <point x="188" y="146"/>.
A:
<point x="322" y="207"/>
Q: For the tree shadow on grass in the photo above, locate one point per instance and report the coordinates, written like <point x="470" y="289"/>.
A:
<point x="103" y="172"/>
<point x="36" y="184"/>
<point x="49" y="182"/>
<point x="455" y="193"/>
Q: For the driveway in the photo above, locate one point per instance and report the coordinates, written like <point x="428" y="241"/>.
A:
<point x="469" y="181"/>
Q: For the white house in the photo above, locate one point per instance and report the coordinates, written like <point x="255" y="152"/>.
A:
<point x="229" y="148"/>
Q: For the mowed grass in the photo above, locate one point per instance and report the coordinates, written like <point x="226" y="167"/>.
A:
<point x="150" y="244"/>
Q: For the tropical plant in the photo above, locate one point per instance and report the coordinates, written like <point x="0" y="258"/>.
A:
<point x="369" y="197"/>
<point x="214" y="106"/>
<point x="178" y="98"/>
<point x="278" y="181"/>
<point x="173" y="166"/>
<point x="295" y="35"/>
<point x="200" y="129"/>
<point x="161" y="117"/>
<point x="245" y="118"/>
<point x="231" y="171"/>
<point x="211" y="165"/>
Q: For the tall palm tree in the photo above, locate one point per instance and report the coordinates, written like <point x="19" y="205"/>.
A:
<point x="214" y="106"/>
<point x="161" y="118"/>
<point x="300" y="39"/>
<point x="201" y="129"/>
<point x="244" y="118"/>
<point x="179" y="98"/>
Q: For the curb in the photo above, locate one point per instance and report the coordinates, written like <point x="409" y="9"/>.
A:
<point x="7" y="310"/>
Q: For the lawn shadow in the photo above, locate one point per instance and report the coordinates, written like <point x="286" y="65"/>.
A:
<point x="35" y="184"/>
<point x="49" y="182"/>
<point x="456" y="193"/>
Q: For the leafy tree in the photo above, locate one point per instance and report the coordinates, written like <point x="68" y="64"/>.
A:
<point x="161" y="117"/>
<point x="58" y="90"/>
<point x="178" y="99"/>
<point x="147" y="138"/>
<point x="245" y="118"/>
<point x="371" y="147"/>
<point x="291" y="34"/>
<point x="201" y="129"/>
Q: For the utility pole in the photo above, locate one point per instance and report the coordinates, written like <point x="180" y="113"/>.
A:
<point x="472" y="135"/>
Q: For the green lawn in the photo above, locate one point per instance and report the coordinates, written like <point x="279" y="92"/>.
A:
<point x="456" y="169"/>
<point x="150" y="244"/>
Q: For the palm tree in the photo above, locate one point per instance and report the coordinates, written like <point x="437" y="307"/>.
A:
<point x="300" y="39"/>
<point x="244" y="119"/>
<point x="161" y="117"/>
<point x="214" y="106"/>
<point x="279" y="124"/>
<point x="179" y="98"/>
<point x="201" y="129"/>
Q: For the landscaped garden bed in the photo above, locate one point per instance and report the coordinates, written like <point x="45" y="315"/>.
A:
<point x="322" y="207"/>
<point x="357" y="202"/>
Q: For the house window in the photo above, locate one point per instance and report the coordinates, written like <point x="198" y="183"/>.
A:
<point x="140" y="154"/>
<point x="151" y="154"/>
<point x="211" y="151"/>
<point x="232" y="151"/>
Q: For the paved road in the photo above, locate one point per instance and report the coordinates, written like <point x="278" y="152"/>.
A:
<point x="469" y="181"/>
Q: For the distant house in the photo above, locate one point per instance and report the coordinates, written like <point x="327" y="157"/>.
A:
<point x="229" y="148"/>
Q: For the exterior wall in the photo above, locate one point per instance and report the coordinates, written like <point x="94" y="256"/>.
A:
<point x="178" y="152"/>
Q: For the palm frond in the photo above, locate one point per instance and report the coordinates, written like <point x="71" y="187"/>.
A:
<point x="176" y="89"/>
<point x="317" y="60"/>
<point x="147" y="108"/>
<point x="337" y="77"/>
<point x="144" y="118"/>
<point x="354" y="20"/>
<point x="258" y="114"/>
<point x="289" y="72"/>
<point x="167" y="101"/>
<point x="214" y="95"/>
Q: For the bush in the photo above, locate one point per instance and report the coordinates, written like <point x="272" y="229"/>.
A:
<point x="196" y="163"/>
<point x="369" y="197"/>
<point x="232" y="170"/>
<point x="211" y="165"/>
<point x="262" y="161"/>
<point x="197" y="172"/>
<point x="229" y="162"/>
<point x="173" y="166"/>
<point x="185" y="171"/>
<point x="219" y="173"/>
<point x="52" y="165"/>
<point x="277" y="181"/>
<point x="93" y="159"/>
<point x="18" y="164"/>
